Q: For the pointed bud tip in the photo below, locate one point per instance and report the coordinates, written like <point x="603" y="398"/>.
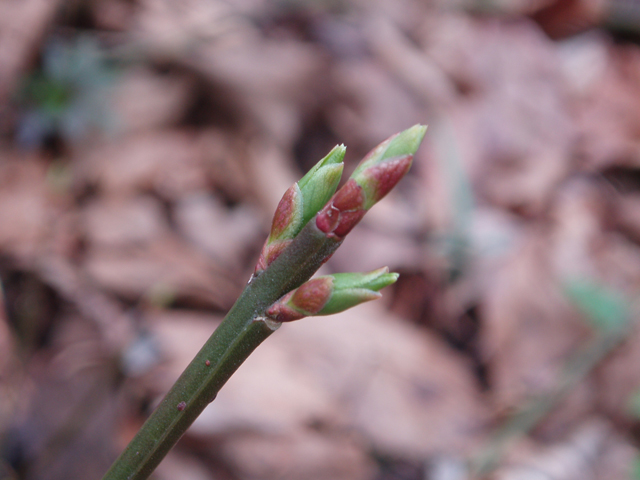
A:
<point x="374" y="280"/>
<point x="334" y="157"/>
<point x="398" y="145"/>
<point x="405" y="142"/>
<point x="335" y="154"/>
<point x="390" y="279"/>
<point x="383" y="277"/>
<point x="378" y="279"/>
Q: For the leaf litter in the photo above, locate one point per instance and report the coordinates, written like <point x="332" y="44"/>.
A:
<point x="516" y="231"/>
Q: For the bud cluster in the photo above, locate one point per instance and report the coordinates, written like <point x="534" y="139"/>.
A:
<point x="336" y="213"/>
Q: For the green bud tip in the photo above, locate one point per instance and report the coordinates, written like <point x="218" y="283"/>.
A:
<point x="331" y="294"/>
<point x="334" y="157"/>
<point x="321" y="182"/>
<point x="351" y="289"/>
<point x="398" y="145"/>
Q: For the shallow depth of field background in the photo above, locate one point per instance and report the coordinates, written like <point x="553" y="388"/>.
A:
<point x="144" y="145"/>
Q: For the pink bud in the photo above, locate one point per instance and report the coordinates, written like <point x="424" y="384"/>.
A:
<point x="281" y="312"/>
<point x="311" y="296"/>
<point x="379" y="179"/>
<point x="343" y="211"/>
<point x="349" y="197"/>
<point x="302" y="302"/>
<point x="285" y="212"/>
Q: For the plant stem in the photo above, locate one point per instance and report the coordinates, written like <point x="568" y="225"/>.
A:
<point x="241" y="331"/>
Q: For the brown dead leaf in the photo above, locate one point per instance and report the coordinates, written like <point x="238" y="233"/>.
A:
<point x="123" y="221"/>
<point x="375" y="104"/>
<point x="178" y="465"/>
<point x="144" y="100"/>
<point x="28" y="207"/>
<point x="9" y="368"/>
<point x="115" y="326"/>
<point x="406" y="14"/>
<point x="608" y="117"/>
<point x="564" y="18"/>
<point x="585" y="59"/>
<point x="425" y="78"/>
<point x="529" y="326"/>
<point x="270" y="173"/>
<point x="400" y="387"/>
<point x="64" y="422"/>
<point x="275" y="83"/>
<point x="113" y="14"/>
<point x="583" y="246"/>
<point x="618" y="378"/>
<point x="627" y="214"/>
<point x="531" y="329"/>
<point x="593" y="451"/>
<point x="169" y="163"/>
<point x="514" y="127"/>
<point x="584" y="249"/>
<point x="226" y="162"/>
<point x="383" y="249"/>
<point x="225" y="234"/>
<point x="166" y="267"/>
<point x="577" y="237"/>
<point x="304" y="454"/>
<point x="175" y="27"/>
<point x="447" y="38"/>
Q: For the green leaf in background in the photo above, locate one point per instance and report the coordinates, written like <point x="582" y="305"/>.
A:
<point x="69" y="95"/>
<point x="633" y="407"/>
<point x="635" y="471"/>
<point x="605" y="308"/>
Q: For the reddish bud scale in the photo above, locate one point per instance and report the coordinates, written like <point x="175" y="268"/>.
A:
<point x="269" y="253"/>
<point x="285" y="213"/>
<point x="311" y="296"/>
<point x="360" y="193"/>
<point x="280" y="312"/>
<point x="375" y="153"/>
<point x="343" y="212"/>
<point x="307" y="300"/>
<point x="381" y="178"/>
<point x="349" y="197"/>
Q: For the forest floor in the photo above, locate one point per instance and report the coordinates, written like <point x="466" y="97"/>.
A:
<point x="144" y="146"/>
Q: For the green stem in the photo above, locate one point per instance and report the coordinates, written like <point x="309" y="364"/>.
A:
<point x="242" y="330"/>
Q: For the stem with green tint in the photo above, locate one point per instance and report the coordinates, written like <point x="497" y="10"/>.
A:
<point x="309" y="225"/>
<point x="242" y="330"/>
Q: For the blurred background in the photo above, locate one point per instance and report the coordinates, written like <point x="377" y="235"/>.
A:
<point x="144" y="145"/>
